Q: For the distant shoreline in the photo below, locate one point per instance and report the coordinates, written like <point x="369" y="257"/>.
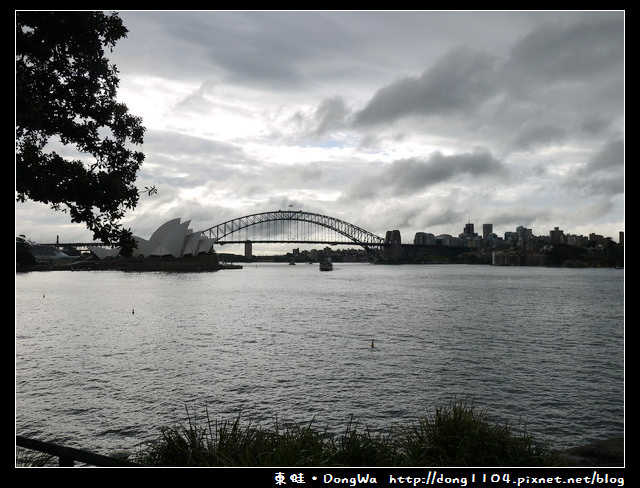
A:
<point x="203" y="263"/>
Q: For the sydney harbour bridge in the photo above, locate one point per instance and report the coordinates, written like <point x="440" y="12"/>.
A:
<point x="289" y="226"/>
<point x="297" y="226"/>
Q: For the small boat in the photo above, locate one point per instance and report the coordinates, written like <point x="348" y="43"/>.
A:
<point x="326" y="265"/>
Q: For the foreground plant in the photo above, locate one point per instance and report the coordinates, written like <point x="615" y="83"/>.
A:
<point x="455" y="435"/>
<point x="34" y="459"/>
<point x="460" y="435"/>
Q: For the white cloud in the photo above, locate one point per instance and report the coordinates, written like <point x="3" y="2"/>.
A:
<point x="417" y="121"/>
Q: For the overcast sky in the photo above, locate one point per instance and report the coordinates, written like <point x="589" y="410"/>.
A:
<point x="419" y="121"/>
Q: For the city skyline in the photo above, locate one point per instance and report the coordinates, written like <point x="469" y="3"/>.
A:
<point x="469" y="229"/>
<point x="409" y="120"/>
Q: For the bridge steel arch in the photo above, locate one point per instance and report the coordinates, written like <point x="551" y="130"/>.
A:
<point x="353" y="233"/>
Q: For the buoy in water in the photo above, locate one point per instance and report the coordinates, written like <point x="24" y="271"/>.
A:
<point x="372" y="344"/>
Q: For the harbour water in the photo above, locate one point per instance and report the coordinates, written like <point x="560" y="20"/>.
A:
<point x="105" y="359"/>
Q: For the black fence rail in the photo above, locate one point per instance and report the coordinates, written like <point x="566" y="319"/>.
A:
<point x="67" y="456"/>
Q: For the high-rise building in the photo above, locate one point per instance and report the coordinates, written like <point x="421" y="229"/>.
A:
<point x="524" y="236"/>
<point x="487" y="230"/>
<point x="556" y="236"/>
<point x="424" y="239"/>
<point x="468" y="230"/>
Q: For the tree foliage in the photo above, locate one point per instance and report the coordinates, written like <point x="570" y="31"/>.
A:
<point x="66" y="102"/>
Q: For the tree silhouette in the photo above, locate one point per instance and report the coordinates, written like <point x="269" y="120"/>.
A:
<point x="66" y="102"/>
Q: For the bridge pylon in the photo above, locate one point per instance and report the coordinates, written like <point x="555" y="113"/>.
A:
<point x="393" y="246"/>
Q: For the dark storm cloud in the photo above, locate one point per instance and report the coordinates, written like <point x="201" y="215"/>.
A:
<point x="414" y="175"/>
<point x="456" y="83"/>
<point x="316" y="125"/>
<point x="261" y="49"/>
<point x="602" y="174"/>
<point x="559" y="82"/>
<point x="609" y="158"/>
<point x="563" y="51"/>
<point x="330" y="114"/>
<point x="534" y="135"/>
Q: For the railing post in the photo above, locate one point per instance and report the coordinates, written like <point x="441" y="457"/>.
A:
<point x="67" y="456"/>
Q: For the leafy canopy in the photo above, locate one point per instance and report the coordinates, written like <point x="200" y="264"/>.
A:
<point x="66" y="99"/>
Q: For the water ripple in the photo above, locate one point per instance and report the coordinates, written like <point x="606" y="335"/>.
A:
<point x="540" y="345"/>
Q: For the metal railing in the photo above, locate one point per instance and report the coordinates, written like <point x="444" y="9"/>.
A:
<point x="67" y="456"/>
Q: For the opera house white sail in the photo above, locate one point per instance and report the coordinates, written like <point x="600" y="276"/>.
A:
<point x="172" y="238"/>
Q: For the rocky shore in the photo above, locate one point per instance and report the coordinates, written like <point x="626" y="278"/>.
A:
<point x="604" y="453"/>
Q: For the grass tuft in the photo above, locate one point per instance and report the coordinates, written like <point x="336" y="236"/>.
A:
<point x="34" y="459"/>
<point x="457" y="434"/>
<point x="460" y="435"/>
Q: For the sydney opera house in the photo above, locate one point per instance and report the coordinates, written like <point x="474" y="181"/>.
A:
<point x="171" y="239"/>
